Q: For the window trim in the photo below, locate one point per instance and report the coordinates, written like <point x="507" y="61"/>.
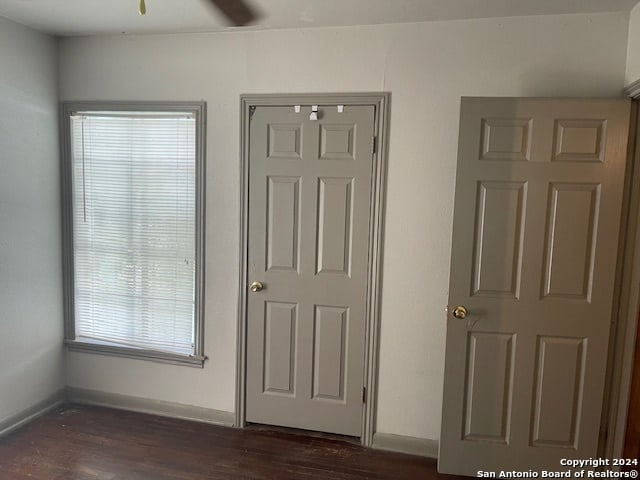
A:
<point x="199" y="110"/>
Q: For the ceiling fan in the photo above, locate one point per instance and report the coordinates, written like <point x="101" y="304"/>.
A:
<point x="237" y="11"/>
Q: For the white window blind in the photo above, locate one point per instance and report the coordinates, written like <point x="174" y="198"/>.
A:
<point x="134" y="229"/>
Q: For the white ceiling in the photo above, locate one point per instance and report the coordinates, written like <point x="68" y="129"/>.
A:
<point x="89" y="17"/>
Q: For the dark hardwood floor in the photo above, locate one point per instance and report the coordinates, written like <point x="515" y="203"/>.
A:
<point x="92" y="443"/>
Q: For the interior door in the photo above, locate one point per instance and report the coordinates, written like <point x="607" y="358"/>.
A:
<point x="309" y="205"/>
<point x="535" y="239"/>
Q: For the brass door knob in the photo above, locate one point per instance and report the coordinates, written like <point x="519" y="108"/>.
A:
<point x="256" y="286"/>
<point x="460" y="312"/>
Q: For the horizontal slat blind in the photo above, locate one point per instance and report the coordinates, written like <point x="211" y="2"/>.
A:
<point x="134" y="201"/>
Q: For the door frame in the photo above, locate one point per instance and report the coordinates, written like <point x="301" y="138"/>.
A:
<point x="381" y="102"/>
<point x="627" y="302"/>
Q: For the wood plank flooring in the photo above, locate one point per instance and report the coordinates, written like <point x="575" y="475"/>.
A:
<point x="92" y="443"/>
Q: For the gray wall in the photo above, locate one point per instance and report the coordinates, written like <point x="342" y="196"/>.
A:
<point x="426" y="67"/>
<point x="31" y="352"/>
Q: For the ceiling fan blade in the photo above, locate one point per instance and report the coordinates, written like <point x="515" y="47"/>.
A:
<point x="237" y="11"/>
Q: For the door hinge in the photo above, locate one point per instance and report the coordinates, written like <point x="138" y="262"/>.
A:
<point x="374" y="144"/>
<point x="364" y="394"/>
<point x="252" y="110"/>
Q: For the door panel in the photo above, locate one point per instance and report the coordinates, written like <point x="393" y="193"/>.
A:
<point x="558" y="397"/>
<point x="284" y="140"/>
<point x="309" y="210"/>
<point x="535" y="237"/>
<point x="573" y="221"/>
<point x="579" y="140"/>
<point x="280" y="322"/>
<point x="329" y="351"/>
<point x="489" y="387"/>
<point x="334" y="225"/>
<point x="498" y="240"/>
<point x="283" y="222"/>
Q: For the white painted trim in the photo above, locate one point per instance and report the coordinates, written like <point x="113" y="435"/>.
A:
<point x="403" y="444"/>
<point x="30" y="414"/>
<point x="633" y="89"/>
<point x="623" y="340"/>
<point x="199" y="110"/>
<point x="146" y="405"/>
<point x="381" y="102"/>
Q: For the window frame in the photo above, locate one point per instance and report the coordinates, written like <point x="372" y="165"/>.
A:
<point x="68" y="108"/>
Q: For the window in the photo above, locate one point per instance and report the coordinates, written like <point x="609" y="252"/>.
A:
<point x="133" y="183"/>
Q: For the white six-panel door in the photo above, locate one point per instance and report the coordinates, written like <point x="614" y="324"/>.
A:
<point x="537" y="216"/>
<point x="309" y="210"/>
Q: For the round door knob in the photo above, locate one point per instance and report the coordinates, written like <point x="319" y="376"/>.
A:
<point x="460" y="312"/>
<point x="256" y="286"/>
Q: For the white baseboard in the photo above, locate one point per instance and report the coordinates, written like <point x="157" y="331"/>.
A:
<point x="146" y="405"/>
<point x="403" y="444"/>
<point x="382" y="441"/>
<point x="20" y="419"/>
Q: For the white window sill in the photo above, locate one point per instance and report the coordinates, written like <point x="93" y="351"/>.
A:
<point x="103" y="348"/>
